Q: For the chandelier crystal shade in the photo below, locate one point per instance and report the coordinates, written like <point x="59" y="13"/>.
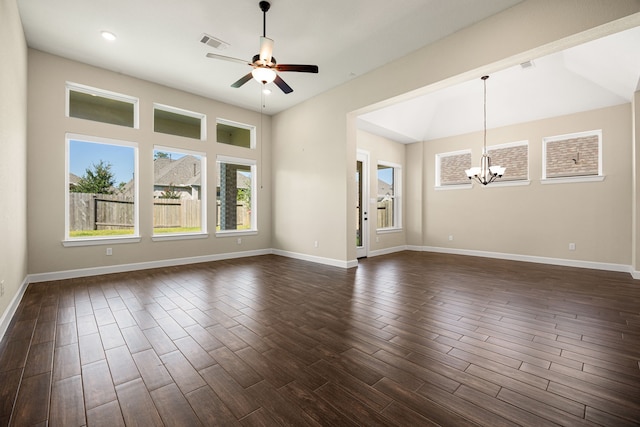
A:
<point x="486" y="173"/>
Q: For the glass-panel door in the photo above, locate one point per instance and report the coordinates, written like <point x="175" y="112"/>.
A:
<point x="362" y="211"/>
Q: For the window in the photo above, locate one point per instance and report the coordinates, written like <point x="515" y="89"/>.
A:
<point x="236" y="200"/>
<point x="513" y="156"/>
<point x="450" y="169"/>
<point x="84" y="102"/>
<point x="389" y="177"/>
<point x="179" y="193"/>
<point x="102" y="189"/>
<point x="232" y="133"/>
<point x="175" y="121"/>
<point x="576" y="155"/>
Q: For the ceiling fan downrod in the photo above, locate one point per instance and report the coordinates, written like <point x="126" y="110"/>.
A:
<point x="264" y="7"/>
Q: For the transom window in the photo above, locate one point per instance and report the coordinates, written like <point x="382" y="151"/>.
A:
<point x="233" y="133"/>
<point x="450" y="168"/>
<point x="514" y="156"/>
<point x="176" y="121"/>
<point x="84" y="102"/>
<point x="573" y="155"/>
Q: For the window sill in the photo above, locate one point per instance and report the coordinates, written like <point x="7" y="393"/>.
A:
<point x="514" y="183"/>
<point x="453" y="187"/>
<point x="388" y="230"/>
<point x="185" y="236"/>
<point x="229" y="233"/>
<point x="100" y="241"/>
<point x="572" y="179"/>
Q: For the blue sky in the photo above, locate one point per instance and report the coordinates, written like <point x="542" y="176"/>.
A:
<point x="82" y="155"/>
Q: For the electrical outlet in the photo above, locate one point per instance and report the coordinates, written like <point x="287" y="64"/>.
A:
<point x="109" y="251"/>
<point x="315" y="244"/>
<point x="450" y="237"/>
<point x="239" y="241"/>
<point x="377" y="239"/>
<point x="572" y="246"/>
<point x="1" y="288"/>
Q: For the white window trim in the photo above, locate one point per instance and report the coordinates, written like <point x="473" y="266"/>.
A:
<point x="76" y="87"/>
<point x="182" y="112"/>
<point x="254" y="194"/>
<point x="397" y="196"/>
<point x="250" y="128"/>
<point x="572" y="179"/>
<point x="203" y="197"/>
<point x="438" y="185"/>
<point x="89" y="241"/>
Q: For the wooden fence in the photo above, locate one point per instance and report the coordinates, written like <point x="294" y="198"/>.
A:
<point x="109" y="211"/>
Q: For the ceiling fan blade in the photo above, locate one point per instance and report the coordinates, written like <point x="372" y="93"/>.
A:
<point x="282" y="85"/>
<point x="227" y="58"/>
<point x="297" y="67"/>
<point x="266" y="49"/>
<point x="242" y="80"/>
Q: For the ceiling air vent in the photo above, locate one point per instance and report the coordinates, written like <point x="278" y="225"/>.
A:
<point x="213" y="42"/>
<point x="527" y="64"/>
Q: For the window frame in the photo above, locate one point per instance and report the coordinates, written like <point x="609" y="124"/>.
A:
<point x="253" y="164"/>
<point x="397" y="197"/>
<point x="438" y="171"/>
<point x="91" y="241"/>
<point x="89" y="90"/>
<point x="203" y="233"/>
<point x="181" y="112"/>
<point x="577" y="178"/>
<point x="250" y="128"/>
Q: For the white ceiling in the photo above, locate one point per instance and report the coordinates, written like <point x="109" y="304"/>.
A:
<point x="601" y="73"/>
<point x="159" y="40"/>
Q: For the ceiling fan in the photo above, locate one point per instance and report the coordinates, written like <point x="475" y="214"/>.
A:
<point x="264" y="65"/>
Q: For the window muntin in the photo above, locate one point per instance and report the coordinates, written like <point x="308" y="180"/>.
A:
<point x="388" y="200"/>
<point x="450" y="168"/>
<point x="102" y="188"/>
<point x="233" y="133"/>
<point x="236" y="198"/>
<point x="84" y="102"/>
<point x="513" y="156"/>
<point x="179" y="191"/>
<point x="573" y="155"/>
<point x="176" y="121"/>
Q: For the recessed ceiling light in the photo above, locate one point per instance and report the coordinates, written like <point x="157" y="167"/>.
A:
<point x="107" y="35"/>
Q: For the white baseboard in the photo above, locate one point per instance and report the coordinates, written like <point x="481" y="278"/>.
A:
<point x="387" y="251"/>
<point x="123" y="268"/>
<point x="8" y="314"/>
<point x="319" y="260"/>
<point x="536" y="259"/>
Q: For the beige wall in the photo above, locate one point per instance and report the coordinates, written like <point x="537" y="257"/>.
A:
<point x="635" y="197"/>
<point x="315" y="142"/>
<point x="384" y="150"/>
<point x="539" y="220"/>
<point x="46" y="155"/>
<point x="13" y="155"/>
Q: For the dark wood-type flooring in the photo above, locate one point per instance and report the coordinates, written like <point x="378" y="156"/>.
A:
<point x="405" y="339"/>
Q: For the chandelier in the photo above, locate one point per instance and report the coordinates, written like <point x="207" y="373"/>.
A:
<point x="486" y="173"/>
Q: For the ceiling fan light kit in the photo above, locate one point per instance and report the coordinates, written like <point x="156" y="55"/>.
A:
<point x="265" y="67"/>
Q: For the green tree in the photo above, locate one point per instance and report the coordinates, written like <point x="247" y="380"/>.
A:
<point x="161" y="155"/>
<point x="98" y="180"/>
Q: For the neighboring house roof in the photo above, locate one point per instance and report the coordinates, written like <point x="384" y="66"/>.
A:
<point x="183" y="172"/>
<point x="73" y="179"/>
